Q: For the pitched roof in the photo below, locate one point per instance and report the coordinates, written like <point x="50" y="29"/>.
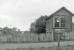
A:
<point x="60" y="10"/>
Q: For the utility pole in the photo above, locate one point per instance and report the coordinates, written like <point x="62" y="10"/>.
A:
<point x="58" y="40"/>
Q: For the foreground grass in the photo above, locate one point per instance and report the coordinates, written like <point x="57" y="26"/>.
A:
<point x="47" y="48"/>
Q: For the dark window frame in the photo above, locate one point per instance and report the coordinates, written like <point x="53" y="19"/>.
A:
<point x="61" y="22"/>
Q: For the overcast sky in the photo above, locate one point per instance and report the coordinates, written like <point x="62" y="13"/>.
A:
<point x="21" y="13"/>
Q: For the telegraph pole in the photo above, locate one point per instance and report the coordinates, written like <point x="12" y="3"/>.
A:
<point x="58" y="40"/>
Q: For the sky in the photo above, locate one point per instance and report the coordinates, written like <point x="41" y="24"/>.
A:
<point x="21" y="13"/>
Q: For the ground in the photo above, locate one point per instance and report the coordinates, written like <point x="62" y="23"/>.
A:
<point x="46" y="48"/>
<point x="66" y="45"/>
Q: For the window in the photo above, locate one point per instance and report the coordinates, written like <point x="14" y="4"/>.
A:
<point x="62" y="22"/>
<point x="59" y="22"/>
